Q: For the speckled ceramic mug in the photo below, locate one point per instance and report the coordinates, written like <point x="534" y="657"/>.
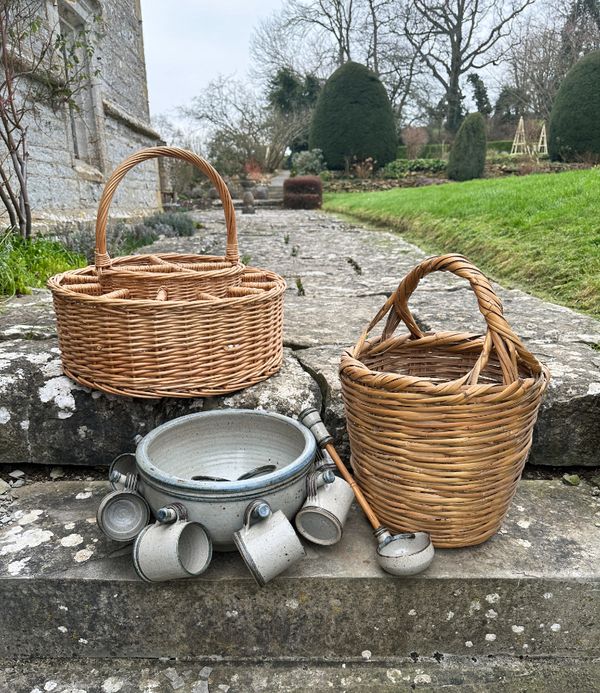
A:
<point x="169" y="551"/>
<point x="267" y="542"/>
<point x="322" y="517"/>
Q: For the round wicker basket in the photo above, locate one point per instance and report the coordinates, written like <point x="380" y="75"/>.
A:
<point x="169" y="325"/>
<point x="440" y="424"/>
<point x="182" y="275"/>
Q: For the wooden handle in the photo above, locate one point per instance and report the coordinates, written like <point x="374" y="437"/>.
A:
<point x="362" y="501"/>
<point x="102" y="257"/>
<point x="499" y="336"/>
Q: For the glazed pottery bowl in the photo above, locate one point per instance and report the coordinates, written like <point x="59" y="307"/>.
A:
<point x="185" y="460"/>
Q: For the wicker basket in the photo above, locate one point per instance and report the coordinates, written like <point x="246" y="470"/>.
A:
<point x="169" y="325"/>
<point x="440" y="424"/>
<point x="182" y="275"/>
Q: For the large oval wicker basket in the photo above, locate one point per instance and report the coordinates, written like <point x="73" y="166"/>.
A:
<point x="169" y="325"/>
<point x="440" y="424"/>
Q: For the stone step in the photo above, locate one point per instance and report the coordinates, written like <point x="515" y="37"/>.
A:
<point x="465" y="674"/>
<point x="532" y="590"/>
<point x="338" y="277"/>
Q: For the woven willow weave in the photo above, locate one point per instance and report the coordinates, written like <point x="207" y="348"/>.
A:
<point x="169" y="325"/>
<point x="182" y="275"/>
<point x="440" y="424"/>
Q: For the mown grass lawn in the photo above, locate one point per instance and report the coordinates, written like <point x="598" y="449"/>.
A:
<point x="539" y="232"/>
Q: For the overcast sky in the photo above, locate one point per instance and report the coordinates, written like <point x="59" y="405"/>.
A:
<point x="189" y="42"/>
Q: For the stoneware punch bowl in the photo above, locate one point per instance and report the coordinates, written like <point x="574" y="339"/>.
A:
<point x="197" y="460"/>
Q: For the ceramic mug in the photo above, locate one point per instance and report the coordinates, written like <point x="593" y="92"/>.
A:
<point x="123" y="513"/>
<point x="122" y="466"/>
<point x="171" y="550"/>
<point x="323" y="515"/>
<point x="267" y="542"/>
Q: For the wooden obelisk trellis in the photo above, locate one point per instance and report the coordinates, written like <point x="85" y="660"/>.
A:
<point x="542" y="147"/>
<point x="519" y="145"/>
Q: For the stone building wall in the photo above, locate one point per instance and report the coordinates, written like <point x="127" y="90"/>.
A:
<point x="72" y="152"/>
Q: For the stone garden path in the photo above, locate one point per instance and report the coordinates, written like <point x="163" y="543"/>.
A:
<point x="516" y="608"/>
<point x="338" y="275"/>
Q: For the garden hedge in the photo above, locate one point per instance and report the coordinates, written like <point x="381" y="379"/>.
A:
<point x="439" y="151"/>
<point x="353" y="119"/>
<point x="574" y="133"/>
<point x="302" y="192"/>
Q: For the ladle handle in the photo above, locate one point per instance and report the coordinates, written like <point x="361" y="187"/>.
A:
<point x="362" y="501"/>
<point x="311" y="418"/>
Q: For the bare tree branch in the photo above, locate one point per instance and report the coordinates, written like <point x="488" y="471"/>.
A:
<point x="237" y="119"/>
<point x="455" y="36"/>
<point x="36" y="63"/>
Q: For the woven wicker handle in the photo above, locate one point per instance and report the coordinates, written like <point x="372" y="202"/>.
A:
<point x="499" y="335"/>
<point x="102" y="257"/>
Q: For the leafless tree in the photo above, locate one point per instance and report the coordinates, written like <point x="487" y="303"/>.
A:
<point x="536" y="68"/>
<point x="37" y="64"/>
<point x="272" y="48"/>
<point x="545" y="47"/>
<point x="453" y="37"/>
<point x="316" y="36"/>
<point x="334" y="18"/>
<point x="414" y="138"/>
<point x="236" y="120"/>
<point x="580" y="27"/>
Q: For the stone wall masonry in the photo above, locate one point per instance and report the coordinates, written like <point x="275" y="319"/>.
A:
<point x="63" y="192"/>
<point x="345" y="273"/>
<point x="123" y="75"/>
<point x="62" y="188"/>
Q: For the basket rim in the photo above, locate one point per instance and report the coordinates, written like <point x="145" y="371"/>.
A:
<point x="57" y="289"/>
<point x="352" y="368"/>
<point x="118" y="266"/>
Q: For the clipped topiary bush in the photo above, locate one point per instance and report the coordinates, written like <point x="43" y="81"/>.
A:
<point x="302" y="192"/>
<point x="574" y="133"/>
<point x="353" y="119"/>
<point x="467" y="156"/>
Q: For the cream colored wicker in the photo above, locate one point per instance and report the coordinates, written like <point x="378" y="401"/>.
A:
<point x="440" y="424"/>
<point x="169" y="325"/>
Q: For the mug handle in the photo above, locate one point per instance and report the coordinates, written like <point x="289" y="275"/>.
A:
<point x="252" y="514"/>
<point x="180" y="511"/>
<point x="311" y="483"/>
<point x="312" y="479"/>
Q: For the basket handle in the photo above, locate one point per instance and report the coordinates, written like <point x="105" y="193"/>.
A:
<point x="499" y="335"/>
<point x="102" y="258"/>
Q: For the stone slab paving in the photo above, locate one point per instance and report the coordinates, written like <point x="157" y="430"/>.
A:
<point x="347" y="272"/>
<point x="532" y="590"/>
<point x="464" y="674"/>
<point x="338" y="275"/>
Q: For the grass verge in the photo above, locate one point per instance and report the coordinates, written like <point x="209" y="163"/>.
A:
<point x="538" y="232"/>
<point x="25" y="264"/>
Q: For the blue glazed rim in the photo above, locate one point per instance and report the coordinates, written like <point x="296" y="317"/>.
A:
<point x="151" y="473"/>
